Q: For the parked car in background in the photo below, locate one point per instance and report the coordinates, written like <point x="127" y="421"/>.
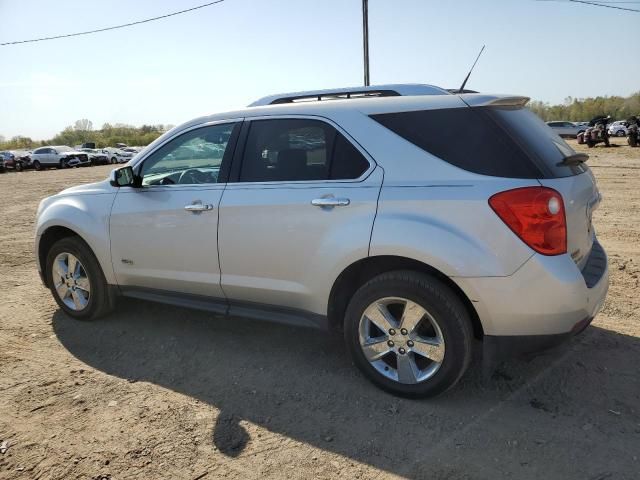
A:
<point x="60" y="156"/>
<point x="96" y="157"/>
<point x="618" y="128"/>
<point x="348" y="214"/>
<point x="566" y="129"/>
<point x="17" y="160"/>
<point x="118" y="155"/>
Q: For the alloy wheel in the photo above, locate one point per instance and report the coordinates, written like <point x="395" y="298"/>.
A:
<point x="70" y="281"/>
<point x="401" y="340"/>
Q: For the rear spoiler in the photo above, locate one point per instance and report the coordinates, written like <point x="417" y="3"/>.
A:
<point x="480" y="100"/>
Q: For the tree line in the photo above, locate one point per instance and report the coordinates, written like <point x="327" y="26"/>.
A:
<point x="82" y="131"/>
<point x="573" y="109"/>
<point x="584" y="109"/>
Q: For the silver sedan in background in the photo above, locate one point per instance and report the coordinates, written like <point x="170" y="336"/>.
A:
<point x="566" y="129"/>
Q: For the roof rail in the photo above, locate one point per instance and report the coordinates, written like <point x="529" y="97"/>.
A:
<point x="393" y="90"/>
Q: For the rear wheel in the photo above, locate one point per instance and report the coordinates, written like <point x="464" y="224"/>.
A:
<point x="37" y="165"/>
<point x="76" y="279"/>
<point x="409" y="334"/>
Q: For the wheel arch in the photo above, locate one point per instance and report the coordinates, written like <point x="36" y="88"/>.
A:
<point x="363" y="270"/>
<point x="48" y="238"/>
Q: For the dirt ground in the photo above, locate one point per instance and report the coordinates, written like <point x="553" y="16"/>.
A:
<point x="156" y="392"/>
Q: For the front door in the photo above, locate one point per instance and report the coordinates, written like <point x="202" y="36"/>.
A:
<point x="164" y="234"/>
<point x="301" y="204"/>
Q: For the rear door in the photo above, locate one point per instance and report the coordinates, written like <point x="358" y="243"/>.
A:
<point x="300" y="204"/>
<point x="43" y="155"/>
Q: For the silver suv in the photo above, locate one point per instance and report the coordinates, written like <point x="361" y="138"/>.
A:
<point x="413" y="219"/>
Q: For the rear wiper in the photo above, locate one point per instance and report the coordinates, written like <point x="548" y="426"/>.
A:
<point x="575" y="159"/>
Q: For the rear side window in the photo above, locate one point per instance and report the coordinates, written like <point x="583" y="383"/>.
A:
<point x="293" y="150"/>
<point x="495" y="141"/>
<point x="347" y="162"/>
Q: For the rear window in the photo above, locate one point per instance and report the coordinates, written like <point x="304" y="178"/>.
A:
<point x="497" y="141"/>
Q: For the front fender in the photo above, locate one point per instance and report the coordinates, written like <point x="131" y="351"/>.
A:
<point x="87" y="216"/>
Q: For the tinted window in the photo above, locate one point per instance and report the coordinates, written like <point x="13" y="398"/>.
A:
<point x="495" y="141"/>
<point x="194" y="157"/>
<point x="543" y="146"/>
<point x="347" y="162"/>
<point x="290" y="150"/>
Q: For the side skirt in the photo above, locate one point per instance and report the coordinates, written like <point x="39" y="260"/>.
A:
<point x="231" y="308"/>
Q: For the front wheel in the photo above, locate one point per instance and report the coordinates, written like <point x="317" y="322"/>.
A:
<point x="76" y="280"/>
<point x="409" y="334"/>
<point x="114" y="160"/>
<point x="36" y="165"/>
<point x="18" y="166"/>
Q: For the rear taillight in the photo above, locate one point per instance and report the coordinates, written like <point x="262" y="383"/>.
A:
<point x="536" y="215"/>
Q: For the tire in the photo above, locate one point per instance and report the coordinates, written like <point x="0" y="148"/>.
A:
<point x="95" y="302"/>
<point x="18" y="166"/>
<point x="36" y="165"/>
<point x="632" y="141"/>
<point x="445" y="318"/>
<point x="114" y="160"/>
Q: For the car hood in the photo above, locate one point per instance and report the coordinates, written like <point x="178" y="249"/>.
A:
<point x="89" y="189"/>
<point x="73" y="152"/>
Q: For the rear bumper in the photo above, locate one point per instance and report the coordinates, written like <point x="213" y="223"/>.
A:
<point x="546" y="297"/>
<point x="496" y="348"/>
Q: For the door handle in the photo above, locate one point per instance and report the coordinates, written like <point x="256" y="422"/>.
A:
<point x="330" y="202"/>
<point x="197" y="207"/>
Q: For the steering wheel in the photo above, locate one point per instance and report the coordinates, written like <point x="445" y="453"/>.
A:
<point x="193" y="175"/>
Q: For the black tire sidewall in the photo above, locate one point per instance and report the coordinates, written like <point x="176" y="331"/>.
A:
<point x="98" y="285"/>
<point x="441" y="303"/>
<point x="37" y="165"/>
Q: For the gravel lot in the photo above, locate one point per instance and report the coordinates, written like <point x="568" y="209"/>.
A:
<point x="160" y="392"/>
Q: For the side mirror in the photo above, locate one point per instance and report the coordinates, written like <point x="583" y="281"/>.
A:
<point x="123" y="177"/>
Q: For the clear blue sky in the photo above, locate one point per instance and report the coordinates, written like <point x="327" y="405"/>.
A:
<point x="228" y="55"/>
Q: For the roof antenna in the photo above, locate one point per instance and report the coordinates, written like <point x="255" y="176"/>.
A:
<point x="469" y="74"/>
